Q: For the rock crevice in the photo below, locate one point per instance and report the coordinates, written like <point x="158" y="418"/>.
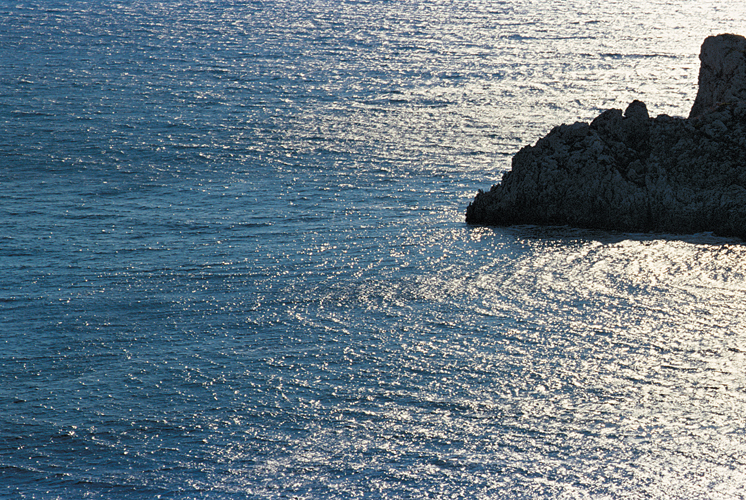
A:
<point x="627" y="171"/>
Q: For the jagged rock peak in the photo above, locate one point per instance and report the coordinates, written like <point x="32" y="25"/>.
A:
<point x="722" y="73"/>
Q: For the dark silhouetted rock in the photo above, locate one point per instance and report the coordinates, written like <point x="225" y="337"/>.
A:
<point x="722" y="72"/>
<point x="627" y="171"/>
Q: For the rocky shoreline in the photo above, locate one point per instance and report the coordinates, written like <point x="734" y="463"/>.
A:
<point x="626" y="171"/>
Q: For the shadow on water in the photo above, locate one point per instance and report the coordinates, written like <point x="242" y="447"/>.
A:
<point x="570" y="234"/>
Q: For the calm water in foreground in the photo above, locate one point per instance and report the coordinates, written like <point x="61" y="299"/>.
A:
<point x="234" y="263"/>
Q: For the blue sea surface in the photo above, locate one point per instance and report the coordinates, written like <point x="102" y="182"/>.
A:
<point x="234" y="262"/>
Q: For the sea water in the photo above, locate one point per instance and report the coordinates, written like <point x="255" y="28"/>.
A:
<point x="234" y="262"/>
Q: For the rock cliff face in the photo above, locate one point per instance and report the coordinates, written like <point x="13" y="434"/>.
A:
<point x="627" y="171"/>
<point x="722" y="73"/>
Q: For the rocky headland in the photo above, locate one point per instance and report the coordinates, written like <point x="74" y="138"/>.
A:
<point x="627" y="171"/>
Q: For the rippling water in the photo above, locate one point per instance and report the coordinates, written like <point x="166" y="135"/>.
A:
<point x="234" y="262"/>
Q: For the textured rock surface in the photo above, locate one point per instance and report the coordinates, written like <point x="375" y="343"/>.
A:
<point x="630" y="172"/>
<point x="722" y="72"/>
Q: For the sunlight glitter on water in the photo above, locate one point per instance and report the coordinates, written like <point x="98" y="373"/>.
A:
<point x="245" y="270"/>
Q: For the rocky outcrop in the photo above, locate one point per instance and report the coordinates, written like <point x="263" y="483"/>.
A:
<point x="722" y="72"/>
<point x="627" y="171"/>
